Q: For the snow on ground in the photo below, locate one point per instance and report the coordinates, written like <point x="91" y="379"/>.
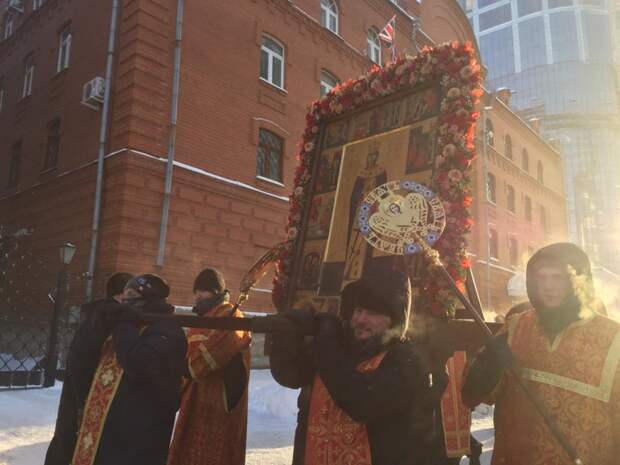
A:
<point x="27" y="420"/>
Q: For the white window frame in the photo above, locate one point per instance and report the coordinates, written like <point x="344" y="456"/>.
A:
<point x="28" y="77"/>
<point x="373" y="46"/>
<point x="8" y="26"/>
<point x="64" y="49"/>
<point x="36" y="4"/>
<point x="329" y="15"/>
<point x="328" y="82"/>
<point x="271" y="55"/>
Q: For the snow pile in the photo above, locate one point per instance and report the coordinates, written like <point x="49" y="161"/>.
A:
<point x="27" y="419"/>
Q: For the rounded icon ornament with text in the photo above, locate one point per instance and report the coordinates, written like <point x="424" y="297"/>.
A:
<point x="396" y="213"/>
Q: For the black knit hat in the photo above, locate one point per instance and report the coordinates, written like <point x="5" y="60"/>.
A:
<point x="388" y="294"/>
<point x="211" y="280"/>
<point x="149" y="286"/>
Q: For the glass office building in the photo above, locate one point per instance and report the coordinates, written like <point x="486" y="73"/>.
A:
<point x="557" y="56"/>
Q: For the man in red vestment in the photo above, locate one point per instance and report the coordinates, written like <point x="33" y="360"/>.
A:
<point x="369" y="395"/>
<point x="211" y="428"/>
<point x="568" y="356"/>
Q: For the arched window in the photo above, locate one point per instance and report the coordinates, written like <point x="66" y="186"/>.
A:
<point x="540" y="175"/>
<point x="374" y="46"/>
<point x="528" y="208"/>
<point x="491" y="188"/>
<point x="510" y="198"/>
<point x="328" y="82"/>
<point x="272" y="62"/>
<point x="329" y="15"/>
<point x="525" y="161"/>
<point x="490" y="135"/>
<point x="508" y="147"/>
<point x="269" y="155"/>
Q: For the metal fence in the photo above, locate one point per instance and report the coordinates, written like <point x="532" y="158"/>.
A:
<point x="24" y="346"/>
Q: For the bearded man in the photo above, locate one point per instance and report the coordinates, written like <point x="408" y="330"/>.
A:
<point x="568" y="356"/>
<point x="368" y="394"/>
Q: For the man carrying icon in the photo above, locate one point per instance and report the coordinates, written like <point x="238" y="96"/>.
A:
<point x="568" y="356"/>
<point x="134" y="395"/>
<point x="98" y="321"/>
<point x="211" y="428"/>
<point x="368" y="395"/>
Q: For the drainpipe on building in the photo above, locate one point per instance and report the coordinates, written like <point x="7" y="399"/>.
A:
<point x="174" y="107"/>
<point x="103" y="140"/>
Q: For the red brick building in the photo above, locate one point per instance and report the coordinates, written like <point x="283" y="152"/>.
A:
<point x="247" y="74"/>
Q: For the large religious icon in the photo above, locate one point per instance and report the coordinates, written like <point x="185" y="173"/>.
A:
<point x="361" y="151"/>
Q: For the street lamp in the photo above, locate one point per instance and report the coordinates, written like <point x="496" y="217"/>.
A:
<point x="67" y="251"/>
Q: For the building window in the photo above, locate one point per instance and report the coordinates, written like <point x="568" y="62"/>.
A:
<point x="328" y="82"/>
<point x="495" y="17"/>
<point x="9" y="22"/>
<point x="491" y="188"/>
<point x="564" y="37"/>
<point x="374" y="46"/>
<point x="527" y="7"/>
<point x="53" y="144"/>
<point x="513" y="249"/>
<point x="525" y="161"/>
<point x="528" y="208"/>
<point x="540" y="175"/>
<point x="272" y="62"/>
<point x="28" y="76"/>
<point x="1" y="97"/>
<point x="269" y="155"/>
<point x="493" y="244"/>
<point x="510" y="198"/>
<point x="329" y="15"/>
<point x="490" y="135"/>
<point x="16" y="164"/>
<point x="64" y="49"/>
<point x="597" y="35"/>
<point x="36" y="4"/>
<point x="498" y="52"/>
<point x="508" y="147"/>
<point x="533" y="45"/>
<point x="543" y="218"/>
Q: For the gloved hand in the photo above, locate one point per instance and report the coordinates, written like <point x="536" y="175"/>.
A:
<point x="498" y="352"/>
<point x="303" y="318"/>
<point x="327" y="324"/>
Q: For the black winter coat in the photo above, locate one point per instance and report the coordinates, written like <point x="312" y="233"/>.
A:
<point x="82" y="362"/>
<point x="139" y="424"/>
<point x="397" y="401"/>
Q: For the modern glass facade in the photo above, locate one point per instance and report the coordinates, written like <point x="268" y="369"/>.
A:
<point x="557" y="56"/>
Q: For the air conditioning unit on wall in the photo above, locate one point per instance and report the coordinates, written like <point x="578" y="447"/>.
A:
<point x="15" y="6"/>
<point x="93" y="93"/>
